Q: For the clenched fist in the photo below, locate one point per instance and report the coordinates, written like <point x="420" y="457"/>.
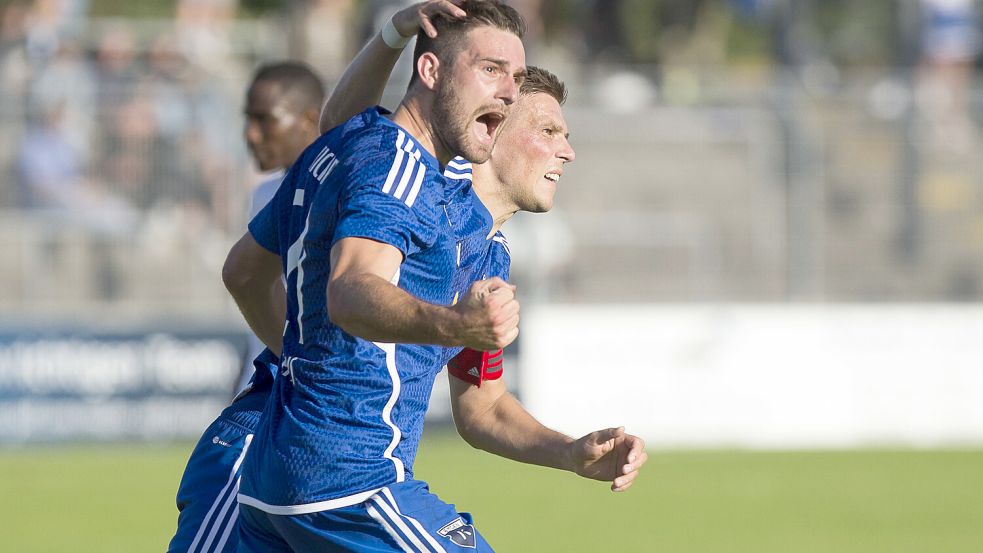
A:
<point x="488" y="315"/>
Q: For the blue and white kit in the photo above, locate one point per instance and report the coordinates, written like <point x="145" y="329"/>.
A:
<point x="206" y="498"/>
<point x="330" y="465"/>
<point x="331" y="460"/>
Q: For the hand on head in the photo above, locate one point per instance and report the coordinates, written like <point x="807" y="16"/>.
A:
<point x="419" y="16"/>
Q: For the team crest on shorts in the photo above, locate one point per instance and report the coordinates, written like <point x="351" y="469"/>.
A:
<point x="459" y="532"/>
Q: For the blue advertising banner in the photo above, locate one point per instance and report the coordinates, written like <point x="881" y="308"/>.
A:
<point x="146" y="384"/>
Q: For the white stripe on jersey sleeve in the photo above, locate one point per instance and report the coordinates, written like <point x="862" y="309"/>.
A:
<point x="416" y="185"/>
<point x="407" y="171"/>
<point x="397" y="163"/>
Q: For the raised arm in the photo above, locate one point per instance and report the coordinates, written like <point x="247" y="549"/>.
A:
<point x="490" y="418"/>
<point x="364" y="80"/>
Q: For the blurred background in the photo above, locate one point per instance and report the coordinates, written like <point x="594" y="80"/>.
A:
<point x="772" y="237"/>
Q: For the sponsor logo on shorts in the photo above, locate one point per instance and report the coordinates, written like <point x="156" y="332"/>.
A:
<point x="221" y="442"/>
<point x="459" y="532"/>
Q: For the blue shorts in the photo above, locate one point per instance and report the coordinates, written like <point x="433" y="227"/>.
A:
<point x="402" y="517"/>
<point x="206" y="498"/>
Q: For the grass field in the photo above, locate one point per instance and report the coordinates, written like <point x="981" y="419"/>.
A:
<point x="120" y="498"/>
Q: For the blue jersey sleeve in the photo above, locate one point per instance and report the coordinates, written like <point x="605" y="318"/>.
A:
<point x="263" y="229"/>
<point x="265" y="226"/>
<point x="392" y="196"/>
<point x="501" y="257"/>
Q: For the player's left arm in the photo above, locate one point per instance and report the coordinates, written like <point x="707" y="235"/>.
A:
<point x="490" y="418"/>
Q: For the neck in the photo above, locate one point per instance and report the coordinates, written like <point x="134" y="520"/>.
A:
<point x="413" y="115"/>
<point x="491" y="192"/>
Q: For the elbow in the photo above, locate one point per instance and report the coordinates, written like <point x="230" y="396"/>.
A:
<point x="469" y="428"/>
<point x="466" y="431"/>
<point x="242" y="279"/>
<point x="235" y="280"/>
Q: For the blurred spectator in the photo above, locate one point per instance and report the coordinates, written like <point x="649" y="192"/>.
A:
<point x="131" y="134"/>
<point x="68" y="80"/>
<point x="329" y="38"/>
<point x="16" y="71"/>
<point x="48" y="166"/>
<point x="950" y="32"/>
<point x="51" y="177"/>
<point x="115" y="66"/>
<point x="950" y="44"/>
<point x="203" y="30"/>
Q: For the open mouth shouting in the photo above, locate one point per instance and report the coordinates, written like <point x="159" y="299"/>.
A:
<point x="487" y="125"/>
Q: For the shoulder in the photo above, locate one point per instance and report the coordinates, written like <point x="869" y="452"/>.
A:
<point x="390" y="159"/>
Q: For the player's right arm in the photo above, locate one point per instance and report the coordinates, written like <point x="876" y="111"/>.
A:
<point x="363" y="301"/>
<point x="488" y="417"/>
<point x="252" y="274"/>
<point x="364" y="80"/>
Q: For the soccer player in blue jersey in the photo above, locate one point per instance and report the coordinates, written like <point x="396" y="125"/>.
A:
<point x="283" y="103"/>
<point x="521" y="175"/>
<point x="369" y="236"/>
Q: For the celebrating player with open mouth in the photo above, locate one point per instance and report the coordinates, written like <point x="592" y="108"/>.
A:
<point x="349" y="421"/>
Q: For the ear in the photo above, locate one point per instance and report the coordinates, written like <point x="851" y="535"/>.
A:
<point x="427" y="67"/>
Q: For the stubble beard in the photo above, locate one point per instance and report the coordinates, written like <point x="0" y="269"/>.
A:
<point x="452" y="125"/>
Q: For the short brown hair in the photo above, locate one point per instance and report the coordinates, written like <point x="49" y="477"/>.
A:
<point x="540" y="80"/>
<point x="452" y="30"/>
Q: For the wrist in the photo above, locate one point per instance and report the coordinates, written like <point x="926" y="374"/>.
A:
<point x="449" y="325"/>
<point x="392" y="37"/>
<point x="569" y="456"/>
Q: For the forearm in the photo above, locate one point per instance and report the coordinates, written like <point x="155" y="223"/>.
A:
<point x="368" y="306"/>
<point x="362" y="83"/>
<point x="504" y="427"/>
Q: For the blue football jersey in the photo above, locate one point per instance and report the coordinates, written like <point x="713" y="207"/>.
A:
<point x="346" y="414"/>
<point x="479" y="257"/>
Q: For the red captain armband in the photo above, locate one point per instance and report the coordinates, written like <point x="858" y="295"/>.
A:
<point x="474" y="367"/>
